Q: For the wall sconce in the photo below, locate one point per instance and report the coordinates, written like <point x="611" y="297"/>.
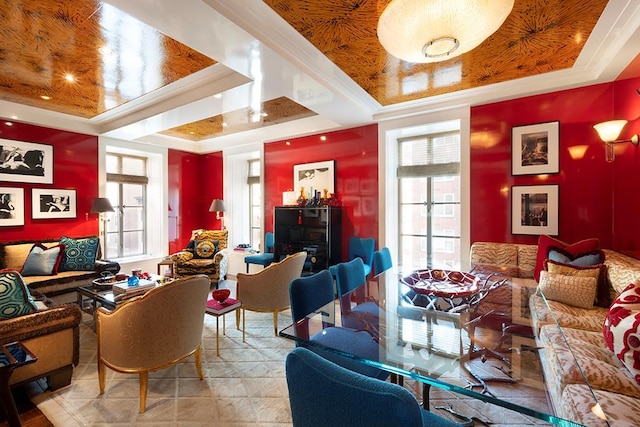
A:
<point x="100" y="206"/>
<point x="609" y="132"/>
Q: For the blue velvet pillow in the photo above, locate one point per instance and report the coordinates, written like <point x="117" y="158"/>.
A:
<point x="583" y="260"/>
<point x="15" y="299"/>
<point x="79" y="254"/>
<point x="43" y="261"/>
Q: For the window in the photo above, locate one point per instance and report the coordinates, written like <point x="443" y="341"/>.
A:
<point x="255" y="202"/>
<point x="127" y="180"/>
<point x="429" y="199"/>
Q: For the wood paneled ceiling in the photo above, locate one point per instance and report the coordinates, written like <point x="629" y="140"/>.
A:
<point x="539" y="36"/>
<point x="149" y="69"/>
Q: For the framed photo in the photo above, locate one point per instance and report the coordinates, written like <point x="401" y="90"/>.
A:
<point x="52" y="203"/>
<point x="26" y="162"/>
<point x="314" y="176"/>
<point x="534" y="209"/>
<point x="535" y="149"/>
<point x="11" y="206"/>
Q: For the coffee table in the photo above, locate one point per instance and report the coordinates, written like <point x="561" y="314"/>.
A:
<point x="484" y="352"/>
<point x="99" y="294"/>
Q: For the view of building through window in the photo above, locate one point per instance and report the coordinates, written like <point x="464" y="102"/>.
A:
<point x="127" y="190"/>
<point x="429" y="200"/>
<point x="255" y="202"/>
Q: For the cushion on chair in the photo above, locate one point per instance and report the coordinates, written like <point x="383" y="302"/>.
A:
<point x="79" y="254"/>
<point x="574" y="249"/>
<point x="573" y="290"/>
<point x="43" y="261"/>
<point x="15" y="299"/>
<point x="205" y="249"/>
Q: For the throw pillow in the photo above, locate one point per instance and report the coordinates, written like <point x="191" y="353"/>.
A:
<point x="205" y="249"/>
<point x="576" y="291"/>
<point x="582" y="260"/>
<point x="43" y="261"/>
<point x="575" y="249"/>
<point x="621" y="329"/>
<point x="79" y="254"/>
<point x="15" y="299"/>
<point x="598" y="271"/>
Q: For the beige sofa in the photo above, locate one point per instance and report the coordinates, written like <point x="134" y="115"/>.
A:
<point x="613" y="385"/>
<point x="61" y="286"/>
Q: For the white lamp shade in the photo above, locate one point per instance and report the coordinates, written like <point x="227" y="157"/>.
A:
<point x="407" y="26"/>
<point x="610" y="131"/>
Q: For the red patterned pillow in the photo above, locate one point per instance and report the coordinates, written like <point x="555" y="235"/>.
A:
<point x="621" y="328"/>
<point x="575" y="250"/>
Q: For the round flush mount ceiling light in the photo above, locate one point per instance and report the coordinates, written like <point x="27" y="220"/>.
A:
<point x="421" y="31"/>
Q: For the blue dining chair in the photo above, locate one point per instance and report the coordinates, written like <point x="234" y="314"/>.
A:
<point x="381" y="261"/>
<point x="360" y="247"/>
<point x="322" y="393"/>
<point x="351" y="284"/>
<point x="266" y="257"/>
<point x="309" y="294"/>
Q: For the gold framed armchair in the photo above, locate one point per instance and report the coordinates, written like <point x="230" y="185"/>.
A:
<point x="206" y="253"/>
<point x="153" y="331"/>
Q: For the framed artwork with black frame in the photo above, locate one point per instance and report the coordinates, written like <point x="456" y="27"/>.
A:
<point x="535" y="149"/>
<point x="534" y="209"/>
<point x="52" y="203"/>
<point x="26" y="162"/>
<point x="314" y="177"/>
<point x="11" y="206"/>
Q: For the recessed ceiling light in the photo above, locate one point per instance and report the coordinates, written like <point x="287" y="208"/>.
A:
<point x="224" y="124"/>
<point x="323" y="138"/>
<point x="217" y="96"/>
<point x="288" y="142"/>
<point x="263" y="114"/>
<point x="45" y="97"/>
<point x="8" y="123"/>
<point x="69" y="77"/>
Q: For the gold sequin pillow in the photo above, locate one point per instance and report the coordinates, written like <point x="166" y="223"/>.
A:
<point x="577" y="291"/>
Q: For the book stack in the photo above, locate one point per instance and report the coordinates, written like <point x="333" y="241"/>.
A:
<point x="218" y="308"/>
<point x="123" y="288"/>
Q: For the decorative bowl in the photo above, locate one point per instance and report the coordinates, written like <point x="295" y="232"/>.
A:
<point x="220" y="295"/>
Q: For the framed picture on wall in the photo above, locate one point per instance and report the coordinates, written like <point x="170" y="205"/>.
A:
<point x="26" y="162"/>
<point x="534" y="209"/>
<point x="53" y="203"/>
<point x="535" y="149"/>
<point x="314" y="177"/>
<point x="11" y="206"/>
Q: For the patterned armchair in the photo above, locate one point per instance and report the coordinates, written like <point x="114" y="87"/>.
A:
<point x="206" y="253"/>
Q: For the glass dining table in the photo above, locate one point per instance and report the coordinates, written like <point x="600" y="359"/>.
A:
<point x="468" y="333"/>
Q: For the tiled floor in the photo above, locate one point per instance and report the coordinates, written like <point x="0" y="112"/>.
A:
<point x="246" y="385"/>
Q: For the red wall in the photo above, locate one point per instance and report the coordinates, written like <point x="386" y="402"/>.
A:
<point x="596" y="197"/>
<point x="355" y="152"/>
<point x="194" y="181"/>
<point x="75" y="166"/>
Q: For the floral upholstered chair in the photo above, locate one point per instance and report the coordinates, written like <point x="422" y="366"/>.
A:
<point x="205" y="254"/>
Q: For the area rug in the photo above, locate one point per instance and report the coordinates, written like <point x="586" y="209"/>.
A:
<point x="244" y="386"/>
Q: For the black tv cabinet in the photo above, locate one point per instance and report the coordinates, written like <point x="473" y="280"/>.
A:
<point x="315" y="230"/>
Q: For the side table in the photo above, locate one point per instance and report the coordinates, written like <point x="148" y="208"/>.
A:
<point x="217" y="309"/>
<point x="169" y="263"/>
<point x="12" y="356"/>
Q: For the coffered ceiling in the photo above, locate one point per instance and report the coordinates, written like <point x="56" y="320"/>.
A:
<point x="205" y="75"/>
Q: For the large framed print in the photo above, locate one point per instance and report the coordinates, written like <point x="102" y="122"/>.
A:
<point x="314" y="177"/>
<point x="534" y="209"/>
<point x="47" y="203"/>
<point x="26" y="162"/>
<point x="535" y="149"/>
<point x="11" y="206"/>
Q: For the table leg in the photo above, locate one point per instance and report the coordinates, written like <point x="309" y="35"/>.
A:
<point x="13" y="417"/>
<point x="217" y="337"/>
<point x="224" y="326"/>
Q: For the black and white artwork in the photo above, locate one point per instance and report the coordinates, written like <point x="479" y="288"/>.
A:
<point x="26" y="162"/>
<point x="53" y="203"/>
<point x="314" y="177"/>
<point x="535" y="149"/>
<point x="534" y="209"/>
<point x="11" y="206"/>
